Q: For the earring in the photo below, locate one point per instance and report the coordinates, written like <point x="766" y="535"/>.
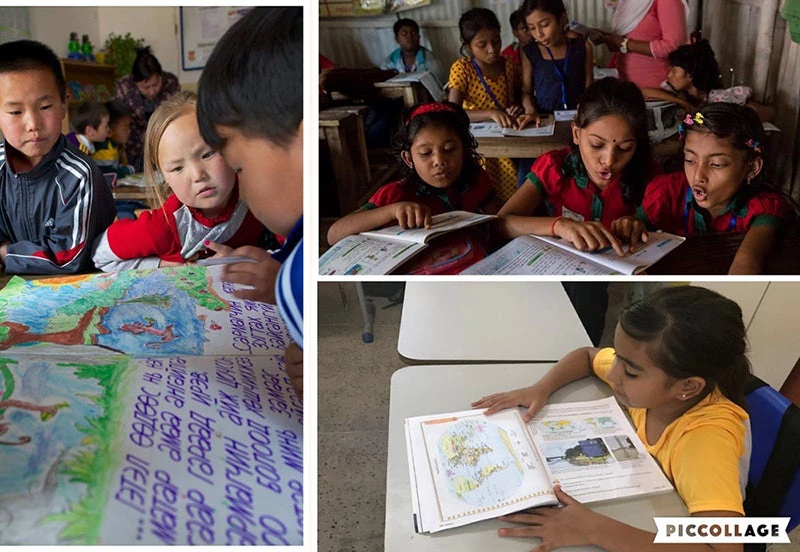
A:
<point x="683" y="396"/>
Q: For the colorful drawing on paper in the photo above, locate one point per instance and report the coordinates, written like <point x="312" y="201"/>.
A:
<point x="134" y="312"/>
<point x="58" y="420"/>
<point x="481" y="466"/>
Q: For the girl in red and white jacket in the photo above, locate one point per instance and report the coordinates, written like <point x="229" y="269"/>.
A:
<point x="197" y="196"/>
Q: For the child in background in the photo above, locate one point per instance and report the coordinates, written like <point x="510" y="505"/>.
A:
<point x="487" y="86"/>
<point x="196" y="193"/>
<point x="600" y="179"/>
<point x="90" y="121"/>
<point x="724" y="186"/>
<point x="410" y="57"/>
<point x="694" y="81"/>
<point x="520" y="29"/>
<point x="555" y="69"/>
<point x="442" y="173"/>
<point x="259" y="128"/>
<point x="678" y="365"/>
<point x="110" y="153"/>
<point x="54" y="200"/>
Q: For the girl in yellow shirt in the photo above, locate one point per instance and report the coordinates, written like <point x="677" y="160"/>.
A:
<point x="678" y="365"/>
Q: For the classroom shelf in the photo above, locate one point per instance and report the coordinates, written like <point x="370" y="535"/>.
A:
<point x="95" y="78"/>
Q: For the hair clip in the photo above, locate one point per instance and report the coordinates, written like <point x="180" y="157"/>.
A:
<point x="431" y="107"/>
<point x="688" y="119"/>
<point x="698" y="118"/>
<point x="681" y="131"/>
<point x="753" y="145"/>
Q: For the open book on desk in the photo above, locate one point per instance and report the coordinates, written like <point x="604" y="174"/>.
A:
<point x="382" y="251"/>
<point x="544" y="255"/>
<point x="425" y="78"/>
<point x="490" y="129"/>
<point x="465" y="467"/>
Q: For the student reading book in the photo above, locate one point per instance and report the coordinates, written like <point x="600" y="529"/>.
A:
<point x="544" y="255"/>
<point x="678" y="365"/>
<point x="467" y="467"/>
<point x="382" y="251"/>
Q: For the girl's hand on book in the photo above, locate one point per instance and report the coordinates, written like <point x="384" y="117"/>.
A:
<point x="533" y="398"/>
<point x="586" y="236"/>
<point x="503" y="119"/>
<point x="572" y="525"/>
<point x="527" y="118"/>
<point x="514" y="110"/>
<point x="412" y="215"/>
<point x="630" y="230"/>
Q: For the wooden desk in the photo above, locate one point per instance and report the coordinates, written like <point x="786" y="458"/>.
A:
<point x="713" y="254"/>
<point x="342" y="128"/>
<point x="411" y="92"/>
<point x="420" y="390"/>
<point x="130" y="192"/>
<point x="467" y="322"/>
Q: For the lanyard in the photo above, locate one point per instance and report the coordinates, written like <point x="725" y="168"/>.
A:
<point x="731" y="224"/>
<point x="562" y="76"/>
<point x="486" y="85"/>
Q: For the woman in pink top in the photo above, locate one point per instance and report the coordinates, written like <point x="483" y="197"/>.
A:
<point x="644" y="33"/>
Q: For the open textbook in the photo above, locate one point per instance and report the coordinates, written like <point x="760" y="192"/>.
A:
<point x="490" y="129"/>
<point x="466" y="467"/>
<point x="545" y="255"/>
<point x="382" y="251"/>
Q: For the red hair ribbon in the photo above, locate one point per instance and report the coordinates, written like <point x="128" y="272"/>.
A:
<point x="431" y="107"/>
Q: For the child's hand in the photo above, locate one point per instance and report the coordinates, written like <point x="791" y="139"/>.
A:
<point x="630" y="230"/>
<point x="260" y="275"/>
<point x="526" y="118"/>
<point x="412" y="215"/>
<point x="503" y="119"/>
<point x="514" y="110"/>
<point x="294" y="367"/>
<point x="586" y="236"/>
<point x="572" y="525"/>
<point x="162" y="263"/>
<point x="533" y="397"/>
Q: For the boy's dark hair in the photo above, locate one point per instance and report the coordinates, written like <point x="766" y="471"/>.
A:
<point x="554" y="7"/>
<point x="610" y="96"/>
<point x="145" y="65"/>
<point x="693" y="331"/>
<point x="88" y="114"/>
<point x="472" y="22"/>
<point x="455" y="119"/>
<point x="116" y="111"/>
<point x="24" y="55"/>
<point x="405" y="22"/>
<point x="698" y="61"/>
<point x="516" y="19"/>
<point x="253" y="80"/>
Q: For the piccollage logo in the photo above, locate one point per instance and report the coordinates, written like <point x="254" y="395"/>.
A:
<point x="724" y="529"/>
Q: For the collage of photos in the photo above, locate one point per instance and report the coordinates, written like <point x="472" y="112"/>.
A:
<point x="550" y="296"/>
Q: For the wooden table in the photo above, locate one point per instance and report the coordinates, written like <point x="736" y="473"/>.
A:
<point x="463" y="322"/>
<point x="342" y="128"/>
<point x="713" y="254"/>
<point x="411" y="92"/>
<point x="420" y="390"/>
<point x="130" y="192"/>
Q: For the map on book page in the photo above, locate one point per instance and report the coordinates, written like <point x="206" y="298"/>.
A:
<point x="184" y="310"/>
<point x="160" y="450"/>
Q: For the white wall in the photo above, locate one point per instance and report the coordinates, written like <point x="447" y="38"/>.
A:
<point x="157" y="25"/>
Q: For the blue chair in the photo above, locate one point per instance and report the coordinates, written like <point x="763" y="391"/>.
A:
<point x="773" y="486"/>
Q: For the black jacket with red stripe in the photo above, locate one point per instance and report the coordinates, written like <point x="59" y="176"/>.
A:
<point x="51" y="215"/>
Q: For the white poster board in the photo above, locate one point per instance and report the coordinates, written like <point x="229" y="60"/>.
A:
<point x="201" y="27"/>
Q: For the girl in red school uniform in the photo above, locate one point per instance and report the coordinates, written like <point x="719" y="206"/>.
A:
<point x="724" y="186"/>
<point x="600" y="179"/>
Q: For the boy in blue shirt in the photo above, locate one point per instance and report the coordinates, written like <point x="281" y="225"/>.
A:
<point x="250" y="107"/>
<point x="54" y="200"/>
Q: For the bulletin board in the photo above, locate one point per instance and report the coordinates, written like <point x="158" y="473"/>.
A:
<point x="201" y="28"/>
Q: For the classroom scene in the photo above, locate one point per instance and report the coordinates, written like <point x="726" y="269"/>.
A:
<point x="151" y="383"/>
<point x="639" y="399"/>
<point x="559" y="137"/>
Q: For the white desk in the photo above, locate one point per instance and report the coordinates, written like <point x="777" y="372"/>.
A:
<point x="420" y="390"/>
<point x="488" y="322"/>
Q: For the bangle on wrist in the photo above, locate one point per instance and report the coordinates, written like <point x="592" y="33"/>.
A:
<point x="553" y="226"/>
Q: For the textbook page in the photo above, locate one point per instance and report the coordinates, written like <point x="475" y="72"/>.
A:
<point x="440" y="224"/>
<point x="425" y="78"/>
<point x="469" y="467"/>
<point x="657" y="246"/>
<point x="490" y="129"/>
<point x="150" y="451"/>
<point x="360" y="255"/>
<point x="527" y="255"/>
<point x="591" y="449"/>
